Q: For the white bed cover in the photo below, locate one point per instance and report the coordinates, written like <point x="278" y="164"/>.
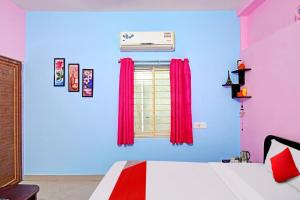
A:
<point x="207" y="181"/>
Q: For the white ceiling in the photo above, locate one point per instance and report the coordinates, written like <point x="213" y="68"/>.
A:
<point x="127" y="5"/>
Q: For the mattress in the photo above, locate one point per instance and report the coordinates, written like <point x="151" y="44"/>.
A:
<point x="210" y="181"/>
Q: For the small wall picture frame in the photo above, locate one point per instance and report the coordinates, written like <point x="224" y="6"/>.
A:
<point x="87" y="82"/>
<point x="59" y="72"/>
<point x="73" y="77"/>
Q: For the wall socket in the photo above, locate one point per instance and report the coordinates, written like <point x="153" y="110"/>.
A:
<point x="199" y="125"/>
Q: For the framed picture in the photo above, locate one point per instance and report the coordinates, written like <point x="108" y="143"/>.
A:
<point x="73" y="77"/>
<point x="87" y="82"/>
<point x="59" y="72"/>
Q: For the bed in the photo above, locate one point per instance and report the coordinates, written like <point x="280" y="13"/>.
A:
<point x="209" y="181"/>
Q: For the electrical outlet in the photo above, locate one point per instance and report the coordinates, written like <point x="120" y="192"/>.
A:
<point x="198" y="125"/>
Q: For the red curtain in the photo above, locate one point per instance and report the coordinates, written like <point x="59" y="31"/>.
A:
<point x="181" y="115"/>
<point x="126" y="103"/>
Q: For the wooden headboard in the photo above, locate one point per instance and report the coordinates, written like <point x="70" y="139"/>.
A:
<point x="287" y="142"/>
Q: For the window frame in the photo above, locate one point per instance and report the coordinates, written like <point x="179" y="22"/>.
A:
<point x="153" y="69"/>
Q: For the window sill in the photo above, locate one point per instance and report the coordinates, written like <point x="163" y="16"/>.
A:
<point x="151" y="136"/>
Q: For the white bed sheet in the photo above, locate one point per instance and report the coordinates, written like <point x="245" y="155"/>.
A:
<point x="184" y="180"/>
<point x="208" y="181"/>
<point x="261" y="180"/>
<point x="235" y="183"/>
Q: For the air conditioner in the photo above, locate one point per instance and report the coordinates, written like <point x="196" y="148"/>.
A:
<point x="147" y="41"/>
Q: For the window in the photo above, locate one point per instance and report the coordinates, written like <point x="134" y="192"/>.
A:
<point x="152" y="107"/>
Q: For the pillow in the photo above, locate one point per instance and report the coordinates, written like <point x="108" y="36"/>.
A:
<point x="277" y="147"/>
<point x="283" y="166"/>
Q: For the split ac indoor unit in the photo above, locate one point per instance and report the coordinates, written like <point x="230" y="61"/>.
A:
<point x="147" y="41"/>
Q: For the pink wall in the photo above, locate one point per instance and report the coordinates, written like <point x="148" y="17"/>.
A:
<point x="270" y="16"/>
<point x="244" y="32"/>
<point x="12" y="30"/>
<point x="274" y="82"/>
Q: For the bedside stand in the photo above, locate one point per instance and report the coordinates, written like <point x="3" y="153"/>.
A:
<point x="19" y="192"/>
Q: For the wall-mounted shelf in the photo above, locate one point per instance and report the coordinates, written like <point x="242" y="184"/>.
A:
<point x="226" y="85"/>
<point x="235" y="88"/>
<point x="241" y="74"/>
<point x="245" y="97"/>
<point x="241" y="70"/>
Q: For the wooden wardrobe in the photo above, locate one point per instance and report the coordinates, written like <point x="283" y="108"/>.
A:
<point x="10" y="121"/>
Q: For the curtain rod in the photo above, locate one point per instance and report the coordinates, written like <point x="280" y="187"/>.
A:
<point x="150" y="61"/>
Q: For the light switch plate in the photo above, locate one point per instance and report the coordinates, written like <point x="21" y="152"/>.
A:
<point x="199" y="125"/>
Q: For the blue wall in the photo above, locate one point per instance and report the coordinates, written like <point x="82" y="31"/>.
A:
<point x="68" y="134"/>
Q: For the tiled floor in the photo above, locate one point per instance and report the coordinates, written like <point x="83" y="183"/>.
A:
<point x="64" y="190"/>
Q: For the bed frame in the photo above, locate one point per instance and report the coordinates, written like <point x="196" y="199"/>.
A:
<point x="287" y="142"/>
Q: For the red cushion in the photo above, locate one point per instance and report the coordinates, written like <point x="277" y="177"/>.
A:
<point x="283" y="166"/>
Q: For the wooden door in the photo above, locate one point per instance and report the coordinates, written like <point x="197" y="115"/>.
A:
<point x="10" y="121"/>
